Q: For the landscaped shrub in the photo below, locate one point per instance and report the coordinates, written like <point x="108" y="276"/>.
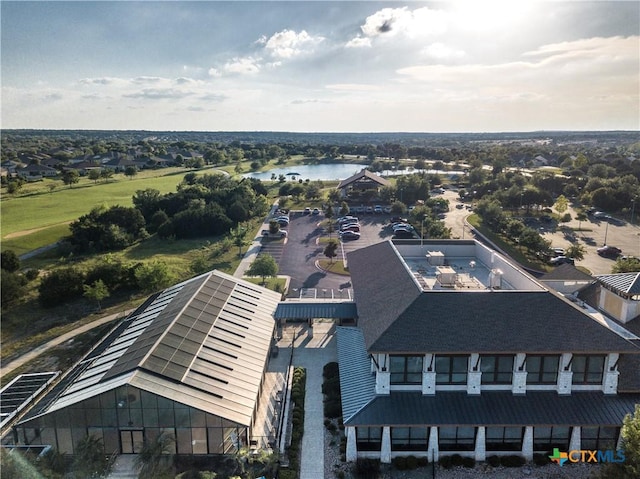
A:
<point x="512" y="461"/>
<point x="469" y="462"/>
<point x="445" y="462"/>
<point x="298" y="386"/>
<point x="541" y="459"/>
<point x="288" y="474"/>
<point x="412" y="462"/>
<point x="61" y="285"/>
<point x="493" y="461"/>
<point x="456" y="460"/>
<point x="332" y="409"/>
<point x="423" y="461"/>
<point x="330" y="370"/>
<point x="399" y="463"/>
<point x="367" y="468"/>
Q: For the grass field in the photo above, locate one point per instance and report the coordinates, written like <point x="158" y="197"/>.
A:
<point x="36" y="218"/>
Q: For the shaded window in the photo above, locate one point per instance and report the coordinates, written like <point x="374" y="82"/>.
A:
<point x="546" y="438"/>
<point x="451" y="369"/>
<point x="405" y="369"/>
<point x="504" y="438"/>
<point x="587" y="369"/>
<point x="599" y="438"/>
<point x="542" y="369"/>
<point x="457" y="438"/>
<point x="409" y="439"/>
<point x="496" y="369"/>
<point x="368" y="438"/>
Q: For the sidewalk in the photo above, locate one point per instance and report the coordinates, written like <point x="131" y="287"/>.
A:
<point x="253" y="250"/>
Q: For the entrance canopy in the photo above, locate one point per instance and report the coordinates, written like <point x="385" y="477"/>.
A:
<point x="346" y="310"/>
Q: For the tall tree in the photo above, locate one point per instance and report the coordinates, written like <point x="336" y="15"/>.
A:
<point x="71" y="177"/>
<point x="330" y="251"/>
<point x="263" y="266"/>
<point x="96" y="291"/>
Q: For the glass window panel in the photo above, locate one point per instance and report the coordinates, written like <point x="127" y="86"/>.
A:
<point x="400" y="433"/>
<point x="460" y="363"/>
<point x="94" y="417"/>
<point x="171" y="433"/>
<point x="149" y="400"/>
<point x="165" y="417"/>
<point x="136" y="417"/>
<point x="396" y="364"/>
<point x="396" y="378"/>
<point x="64" y="441"/>
<point x="447" y="433"/>
<point x="182" y="418"/>
<point x="513" y="432"/>
<point x="414" y="364"/>
<point x="199" y="440"/>
<point x="494" y="432"/>
<point x="111" y="440"/>
<point x="150" y="417"/>
<point x="213" y="421"/>
<point x="419" y="433"/>
<point x="197" y="418"/>
<point x="214" y="435"/>
<point x="442" y="364"/>
<point x="184" y="441"/>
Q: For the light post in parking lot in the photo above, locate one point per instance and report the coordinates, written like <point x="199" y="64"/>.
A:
<point x="633" y="207"/>
<point x="606" y="230"/>
<point x="422" y="232"/>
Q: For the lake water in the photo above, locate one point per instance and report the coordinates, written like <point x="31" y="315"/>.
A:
<point x="328" y="172"/>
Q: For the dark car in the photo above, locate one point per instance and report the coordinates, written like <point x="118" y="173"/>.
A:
<point x="403" y="234"/>
<point x="609" y="251"/>
<point x="398" y="219"/>
<point x="558" y="260"/>
<point x="349" y="235"/>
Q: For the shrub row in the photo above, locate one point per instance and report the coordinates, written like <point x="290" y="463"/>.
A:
<point x="331" y="391"/>
<point x="456" y="460"/>
<point x="298" y="388"/>
<point x="409" y="462"/>
<point x="367" y="468"/>
<point x="507" y="461"/>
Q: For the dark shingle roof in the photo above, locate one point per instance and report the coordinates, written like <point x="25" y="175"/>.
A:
<point x="496" y="408"/>
<point x="364" y="174"/>
<point x="566" y="272"/>
<point x="396" y="316"/>
<point x="629" y="379"/>
<point x="382" y="286"/>
<point x="628" y="283"/>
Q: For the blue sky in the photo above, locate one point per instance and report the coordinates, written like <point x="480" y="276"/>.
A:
<point x="454" y="66"/>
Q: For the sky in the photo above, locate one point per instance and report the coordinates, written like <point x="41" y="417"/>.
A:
<point x="329" y="66"/>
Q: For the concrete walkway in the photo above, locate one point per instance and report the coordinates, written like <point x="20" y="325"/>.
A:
<point x="124" y="467"/>
<point x="312" y="353"/>
<point x="25" y="358"/>
<point x="253" y="250"/>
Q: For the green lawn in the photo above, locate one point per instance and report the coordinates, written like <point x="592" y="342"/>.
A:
<point x="50" y="212"/>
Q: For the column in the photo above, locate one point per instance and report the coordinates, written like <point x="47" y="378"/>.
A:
<point x="519" y="383"/>
<point x="480" y="451"/>
<point x="565" y="375"/>
<point x="474" y="376"/>
<point x="383" y="380"/>
<point x="433" y="452"/>
<point x="574" y="442"/>
<point x="610" y="380"/>
<point x="352" y="447"/>
<point x="429" y="375"/>
<point x="527" y="443"/>
<point x="385" y="450"/>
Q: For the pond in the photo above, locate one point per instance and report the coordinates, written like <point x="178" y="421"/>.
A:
<point x="334" y="171"/>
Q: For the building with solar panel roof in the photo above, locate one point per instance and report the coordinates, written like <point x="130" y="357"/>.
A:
<point x="457" y="350"/>
<point x="189" y="363"/>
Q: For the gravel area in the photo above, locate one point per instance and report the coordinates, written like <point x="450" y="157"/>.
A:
<point x="333" y="464"/>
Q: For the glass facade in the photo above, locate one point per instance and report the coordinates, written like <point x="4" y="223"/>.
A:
<point x="409" y="438"/>
<point x="504" y="438"/>
<point x="599" y="438"/>
<point x="496" y="369"/>
<point x="546" y="438"/>
<point x="457" y="438"/>
<point x="587" y="369"/>
<point x="451" y="369"/>
<point x="368" y="438"/>
<point x="405" y="369"/>
<point x="125" y="417"/>
<point x="542" y="369"/>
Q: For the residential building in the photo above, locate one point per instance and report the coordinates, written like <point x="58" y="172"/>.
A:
<point x="190" y="363"/>
<point x="457" y="350"/>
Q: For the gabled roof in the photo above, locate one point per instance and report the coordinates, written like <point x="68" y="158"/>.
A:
<point x="566" y="272"/>
<point x="396" y="317"/>
<point x="627" y="283"/>
<point x="357" y="382"/>
<point x="363" y="174"/>
<point x="203" y="343"/>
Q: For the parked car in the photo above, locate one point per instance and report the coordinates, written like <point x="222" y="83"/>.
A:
<point x="405" y="226"/>
<point x="351" y="227"/>
<point x="459" y="206"/>
<point x="278" y="234"/>
<point x="282" y="221"/>
<point x="315" y="211"/>
<point x="343" y="219"/>
<point x="403" y="234"/>
<point x="369" y="209"/>
<point x="349" y="235"/>
<point x="609" y="251"/>
<point x="377" y="209"/>
<point x="557" y="251"/>
<point x="398" y="219"/>
<point x="307" y="211"/>
<point x="387" y="209"/>
<point x="558" y="260"/>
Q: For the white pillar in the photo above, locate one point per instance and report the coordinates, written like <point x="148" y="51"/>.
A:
<point x="480" y="451"/>
<point x="610" y="382"/>
<point x="385" y="450"/>
<point x="574" y="442"/>
<point x="474" y="377"/>
<point x="429" y="375"/>
<point x="564" y="375"/>
<point x="527" y="443"/>
<point x="519" y="383"/>
<point x="352" y="448"/>
<point x="383" y="380"/>
<point x="433" y="451"/>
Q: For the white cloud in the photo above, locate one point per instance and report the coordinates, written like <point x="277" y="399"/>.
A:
<point x="158" y="94"/>
<point x="402" y="21"/>
<point x="353" y="87"/>
<point x="359" y="42"/>
<point x="289" y="43"/>
<point x="242" y="66"/>
<point x="441" y="51"/>
<point x="214" y="72"/>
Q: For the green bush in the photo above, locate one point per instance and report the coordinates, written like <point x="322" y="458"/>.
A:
<point x="412" y="462"/>
<point x="332" y="409"/>
<point x="288" y="474"/>
<point x="330" y="370"/>
<point x="512" y="461"/>
<point x="456" y="460"/>
<point x="400" y="463"/>
<point x="493" y="461"/>
<point x="469" y="462"/>
<point x="445" y="462"/>
<point x="423" y="461"/>
<point x="541" y="459"/>
<point x="367" y="468"/>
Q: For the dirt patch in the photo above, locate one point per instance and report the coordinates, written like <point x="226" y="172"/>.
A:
<point x="19" y="234"/>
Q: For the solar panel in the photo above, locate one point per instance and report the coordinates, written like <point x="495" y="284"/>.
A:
<point x="20" y="392"/>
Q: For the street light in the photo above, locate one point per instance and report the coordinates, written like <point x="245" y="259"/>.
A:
<point x="606" y="230"/>
<point x="633" y="207"/>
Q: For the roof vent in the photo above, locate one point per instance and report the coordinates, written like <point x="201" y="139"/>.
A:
<point x="495" y="279"/>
